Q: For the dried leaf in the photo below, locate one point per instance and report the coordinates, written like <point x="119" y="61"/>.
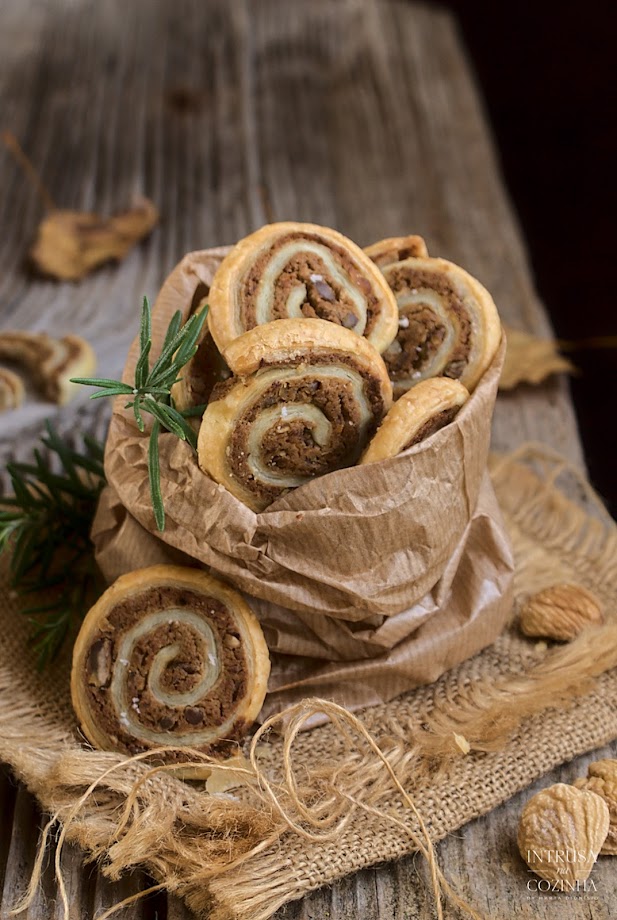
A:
<point x="530" y="359"/>
<point x="70" y="244"/>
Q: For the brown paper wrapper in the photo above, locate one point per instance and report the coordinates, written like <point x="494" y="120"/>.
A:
<point x="367" y="581"/>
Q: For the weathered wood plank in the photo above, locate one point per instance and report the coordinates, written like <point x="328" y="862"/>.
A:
<point x="8" y="792"/>
<point x="107" y="894"/>
<point x="22" y="850"/>
<point x="357" y="114"/>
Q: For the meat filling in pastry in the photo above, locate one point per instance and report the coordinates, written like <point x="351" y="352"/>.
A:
<point x="168" y="656"/>
<point x="448" y="324"/>
<point x="293" y="270"/>
<point x="306" y="398"/>
<point x="428" y="407"/>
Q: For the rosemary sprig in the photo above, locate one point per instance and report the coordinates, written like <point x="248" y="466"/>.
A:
<point x="151" y="390"/>
<point x="46" y="523"/>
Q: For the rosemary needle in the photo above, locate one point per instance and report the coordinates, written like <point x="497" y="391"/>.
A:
<point x="46" y="525"/>
<point x="151" y="390"/>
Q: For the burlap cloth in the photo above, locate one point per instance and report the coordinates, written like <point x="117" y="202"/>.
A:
<point x="234" y="854"/>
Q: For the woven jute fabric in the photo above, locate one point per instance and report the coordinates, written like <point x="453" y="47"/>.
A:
<point x="242" y="853"/>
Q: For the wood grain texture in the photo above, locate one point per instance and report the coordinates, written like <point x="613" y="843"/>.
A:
<point x="227" y="113"/>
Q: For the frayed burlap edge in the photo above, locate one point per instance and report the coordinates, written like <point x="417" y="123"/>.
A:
<point x="274" y="840"/>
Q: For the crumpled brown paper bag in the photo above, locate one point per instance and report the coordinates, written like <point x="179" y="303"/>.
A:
<point x="367" y="581"/>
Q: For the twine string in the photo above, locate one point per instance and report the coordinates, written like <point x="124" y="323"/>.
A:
<point x="322" y="819"/>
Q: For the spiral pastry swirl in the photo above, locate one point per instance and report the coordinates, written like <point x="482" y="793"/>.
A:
<point x="306" y="398"/>
<point x="396" y="249"/>
<point x="168" y="656"/>
<point x="50" y="362"/>
<point x="448" y="323"/>
<point x="419" y="413"/>
<point x="294" y="270"/>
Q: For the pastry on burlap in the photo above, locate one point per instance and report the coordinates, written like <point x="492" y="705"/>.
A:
<point x="523" y="710"/>
<point x="168" y="655"/>
<point x="402" y="568"/>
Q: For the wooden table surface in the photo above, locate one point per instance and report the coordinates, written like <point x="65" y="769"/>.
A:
<point x="358" y="114"/>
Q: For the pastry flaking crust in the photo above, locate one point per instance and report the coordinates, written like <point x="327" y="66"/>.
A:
<point x="271" y="361"/>
<point x="431" y="401"/>
<point x="492" y="329"/>
<point x="129" y="588"/>
<point x="225" y="322"/>
<point x="480" y="310"/>
<point x="395" y="249"/>
<point x="291" y="339"/>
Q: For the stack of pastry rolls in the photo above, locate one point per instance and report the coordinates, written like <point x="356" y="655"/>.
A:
<point x="322" y="355"/>
<point x="317" y="355"/>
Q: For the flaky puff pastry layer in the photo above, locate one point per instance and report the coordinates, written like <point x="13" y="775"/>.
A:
<point x="190" y="645"/>
<point x="396" y="249"/>
<point x="301" y="380"/>
<point x="51" y="362"/>
<point x="295" y="339"/>
<point x="294" y="270"/>
<point x="448" y="324"/>
<point x="419" y="413"/>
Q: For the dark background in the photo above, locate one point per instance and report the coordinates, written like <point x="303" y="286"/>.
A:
<point x="547" y="72"/>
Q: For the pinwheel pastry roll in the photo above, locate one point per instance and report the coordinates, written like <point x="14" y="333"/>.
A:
<point x="307" y="397"/>
<point x="51" y="362"/>
<point x="448" y="324"/>
<point x="11" y="390"/>
<point x="397" y="248"/>
<point x="294" y="270"/>
<point x="419" y="413"/>
<point x="168" y="656"/>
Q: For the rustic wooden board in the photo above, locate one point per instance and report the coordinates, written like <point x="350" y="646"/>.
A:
<point x="228" y="113"/>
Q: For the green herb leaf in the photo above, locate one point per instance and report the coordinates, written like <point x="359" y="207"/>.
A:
<point x="183" y="343"/>
<point x="178" y="418"/>
<point x="173" y="328"/>
<point x="103" y="383"/>
<point x="160" y="412"/>
<point x="145" y="330"/>
<point x="189" y="346"/>
<point x="151" y="391"/>
<point x="141" y="368"/>
<point x="45" y="525"/>
<point x="137" y="413"/>
<point x="154" y="473"/>
<point x="111" y="391"/>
